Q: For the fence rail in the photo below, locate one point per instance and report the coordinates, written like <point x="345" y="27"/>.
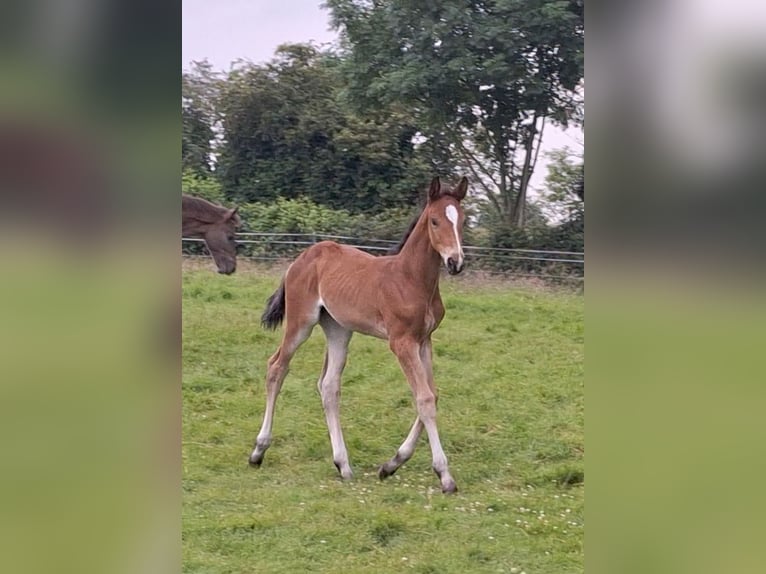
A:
<point x="538" y="263"/>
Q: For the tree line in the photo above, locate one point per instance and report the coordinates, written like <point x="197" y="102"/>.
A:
<point x="413" y="89"/>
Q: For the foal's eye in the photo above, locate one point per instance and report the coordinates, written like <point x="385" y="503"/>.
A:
<point x="434" y="222"/>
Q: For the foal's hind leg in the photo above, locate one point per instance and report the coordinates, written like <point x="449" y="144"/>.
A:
<point x="279" y="363"/>
<point x="329" y="388"/>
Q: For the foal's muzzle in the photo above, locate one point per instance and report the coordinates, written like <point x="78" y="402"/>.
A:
<point x="454" y="267"/>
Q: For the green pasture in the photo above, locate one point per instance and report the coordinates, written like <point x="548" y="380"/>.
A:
<point x="508" y="362"/>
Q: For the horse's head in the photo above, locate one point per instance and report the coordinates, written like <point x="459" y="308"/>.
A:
<point x="445" y="222"/>
<point x="220" y="240"/>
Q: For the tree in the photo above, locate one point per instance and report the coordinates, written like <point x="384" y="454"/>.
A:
<point x="565" y="185"/>
<point x="195" y="141"/>
<point x="565" y="200"/>
<point x="288" y="131"/>
<point x="205" y="187"/>
<point x="199" y="92"/>
<point x="482" y="76"/>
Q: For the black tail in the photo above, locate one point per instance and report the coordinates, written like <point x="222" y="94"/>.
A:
<point x="275" y="309"/>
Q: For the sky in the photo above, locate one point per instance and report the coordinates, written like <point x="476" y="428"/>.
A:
<point x="223" y="31"/>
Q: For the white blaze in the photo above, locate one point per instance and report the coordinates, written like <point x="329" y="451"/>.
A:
<point x="451" y="213"/>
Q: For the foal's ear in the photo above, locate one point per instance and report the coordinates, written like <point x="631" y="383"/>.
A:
<point x="435" y="190"/>
<point x="461" y="189"/>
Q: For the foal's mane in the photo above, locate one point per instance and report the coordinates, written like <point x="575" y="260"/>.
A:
<point x="410" y="228"/>
<point x="201" y="209"/>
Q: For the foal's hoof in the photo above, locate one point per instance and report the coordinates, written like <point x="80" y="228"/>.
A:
<point x="255" y="461"/>
<point x="345" y="472"/>
<point x="383" y="472"/>
<point x="449" y="488"/>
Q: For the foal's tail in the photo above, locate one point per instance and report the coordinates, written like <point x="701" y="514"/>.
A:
<point x="275" y="309"/>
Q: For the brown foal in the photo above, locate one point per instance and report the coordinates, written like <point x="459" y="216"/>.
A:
<point x="390" y="297"/>
<point x="216" y="225"/>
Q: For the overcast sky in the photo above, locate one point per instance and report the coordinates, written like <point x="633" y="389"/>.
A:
<point x="222" y="31"/>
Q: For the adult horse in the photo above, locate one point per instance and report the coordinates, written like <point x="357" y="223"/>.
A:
<point x="216" y="225"/>
<point x="390" y="297"/>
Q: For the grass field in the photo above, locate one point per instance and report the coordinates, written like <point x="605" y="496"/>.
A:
<point x="508" y="362"/>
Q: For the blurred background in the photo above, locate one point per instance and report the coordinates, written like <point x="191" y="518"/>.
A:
<point x="89" y="172"/>
<point x="675" y="301"/>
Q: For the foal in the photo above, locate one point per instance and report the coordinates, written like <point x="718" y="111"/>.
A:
<point x="216" y="225"/>
<point x="389" y="297"/>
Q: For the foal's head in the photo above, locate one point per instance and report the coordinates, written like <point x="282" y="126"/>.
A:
<point x="445" y="222"/>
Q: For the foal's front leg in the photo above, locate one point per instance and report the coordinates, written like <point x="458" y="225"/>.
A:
<point x="418" y="373"/>
<point x="403" y="453"/>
